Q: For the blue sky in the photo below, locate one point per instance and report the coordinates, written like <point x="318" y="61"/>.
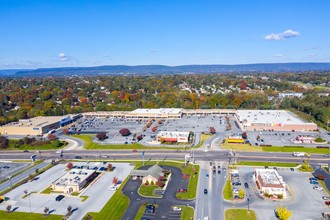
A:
<point x="53" y="33"/>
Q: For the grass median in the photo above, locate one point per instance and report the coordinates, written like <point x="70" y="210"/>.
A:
<point x="240" y="214"/>
<point x="187" y="212"/>
<point x="148" y="191"/>
<point x="274" y="164"/>
<point x="4" y="215"/>
<point x="228" y="191"/>
<point x="90" y="145"/>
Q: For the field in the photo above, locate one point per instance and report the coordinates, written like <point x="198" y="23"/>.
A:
<point x="13" y="145"/>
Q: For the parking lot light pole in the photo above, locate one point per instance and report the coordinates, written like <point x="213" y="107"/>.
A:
<point x="26" y="193"/>
<point x="248" y="200"/>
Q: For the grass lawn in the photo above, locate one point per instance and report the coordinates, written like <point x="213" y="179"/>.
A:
<point x="140" y="212"/>
<point x="306" y="168"/>
<point x="148" y="191"/>
<point x="84" y="198"/>
<point x="241" y="147"/>
<point x="240" y="214"/>
<point x="275" y="164"/>
<point x="4" y="215"/>
<point x="48" y="190"/>
<point x="13" y="146"/>
<point x="324" y="187"/>
<point x="203" y="138"/>
<point x="187" y="212"/>
<point x="227" y="191"/>
<point x="90" y="145"/>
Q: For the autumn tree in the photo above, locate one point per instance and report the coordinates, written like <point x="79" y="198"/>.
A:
<point x="115" y="181"/>
<point x="139" y="138"/>
<point x="101" y="136"/>
<point x="46" y="210"/>
<point x="283" y="213"/>
<point x="241" y="193"/>
<point x="65" y="131"/>
<point x="4" y="142"/>
<point x="8" y="208"/>
<point x="69" y="165"/>
<point x="110" y="167"/>
<point x="125" y="132"/>
<point x="51" y="137"/>
<point x="212" y="130"/>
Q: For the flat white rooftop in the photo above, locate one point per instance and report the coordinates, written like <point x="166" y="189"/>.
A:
<point x="269" y="178"/>
<point x="40" y="121"/>
<point x="268" y="116"/>
<point x="173" y="134"/>
<point x="157" y="111"/>
<point x="74" y="177"/>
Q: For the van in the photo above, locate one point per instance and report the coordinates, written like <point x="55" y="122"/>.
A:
<point x="59" y="152"/>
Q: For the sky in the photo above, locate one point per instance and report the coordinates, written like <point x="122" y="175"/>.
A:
<point x="61" y="33"/>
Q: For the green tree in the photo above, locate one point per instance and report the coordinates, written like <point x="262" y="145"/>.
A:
<point x="283" y="213"/>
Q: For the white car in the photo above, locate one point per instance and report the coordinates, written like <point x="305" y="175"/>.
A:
<point x="317" y="188"/>
<point x="177" y="209"/>
<point x="113" y="188"/>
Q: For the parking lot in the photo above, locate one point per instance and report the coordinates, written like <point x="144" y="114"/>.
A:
<point x="98" y="193"/>
<point x="9" y="169"/>
<point x="303" y="200"/>
<point x="279" y="138"/>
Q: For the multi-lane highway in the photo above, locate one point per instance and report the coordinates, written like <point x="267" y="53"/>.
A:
<point x="161" y="154"/>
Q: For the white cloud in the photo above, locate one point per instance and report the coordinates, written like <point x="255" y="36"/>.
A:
<point x="282" y="36"/>
<point x="62" y="57"/>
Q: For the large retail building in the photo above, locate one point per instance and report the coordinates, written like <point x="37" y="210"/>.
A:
<point x="33" y="126"/>
<point x="272" y="120"/>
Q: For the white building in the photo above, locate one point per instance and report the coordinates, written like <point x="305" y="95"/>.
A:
<point x="269" y="182"/>
<point x="73" y="181"/>
<point x="173" y="136"/>
<point x="290" y="94"/>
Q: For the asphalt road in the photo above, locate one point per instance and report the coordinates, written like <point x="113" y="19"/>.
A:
<point x="21" y="176"/>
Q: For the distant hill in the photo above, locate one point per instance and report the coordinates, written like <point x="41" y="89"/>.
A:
<point x="161" y="69"/>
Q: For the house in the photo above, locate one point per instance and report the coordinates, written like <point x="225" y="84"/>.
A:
<point x="151" y="174"/>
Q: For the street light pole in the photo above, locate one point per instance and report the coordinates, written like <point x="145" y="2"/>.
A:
<point x="248" y="200"/>
<point x="26" y="193"/>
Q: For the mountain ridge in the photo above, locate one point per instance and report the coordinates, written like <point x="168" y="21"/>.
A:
<point x="164" y="69"/>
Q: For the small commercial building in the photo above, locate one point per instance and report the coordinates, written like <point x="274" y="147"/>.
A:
<point x="152" y="174"/>
<point x="272" y="120"/>
<point x="270" y="183"/>
<point x="73" y="181"/>
<point x="173" y="136"/>
<point x="33" y="126"/>
<point x="235" y="138"/>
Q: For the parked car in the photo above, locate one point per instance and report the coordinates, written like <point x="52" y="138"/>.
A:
<point x="77" y="157"/>
<point x="59" y="198"/>
<point x="113" y="188"/>
<point x="219" y="167"/>
<point x="327" y="202"/>
<point x="326" y="155"/>
<point x="236" y="183"/>
<point x="313" y="182"/>
<point x="25" y="151"/>
<point x="176" y="209"/>
<point x="205" y="191"/>
<point x="325" y="197"/>
<point x="182" y="190"/>
<point x="246" y="185"/>
<point x="291" y="169"/>
<point x="207" y="175"/>
<point x="312" y="179"/>
<point x="317" y="188"/>
<point x="219" y="171"/>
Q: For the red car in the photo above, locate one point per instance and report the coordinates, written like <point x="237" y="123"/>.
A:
<point x="134" y="151"/>
<point x="327" y="202"/>
<point x="182" y="190"/>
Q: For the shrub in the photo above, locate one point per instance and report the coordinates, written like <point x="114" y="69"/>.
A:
<point x="279" y="196"/>
<point x="4" y="142"/>
<point x="109" y="167"/>
<point x="57" y="143"/>
<point x="146" y="183"/>
<point x="160" y="184"/>
<point x="52" y="137"/>
<point x="125" y="132"/>
<point x="152" y="183"/>
<point x="212" y="130"/>
<point x="319" y="139"/>
<point x="65" y="131"/>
